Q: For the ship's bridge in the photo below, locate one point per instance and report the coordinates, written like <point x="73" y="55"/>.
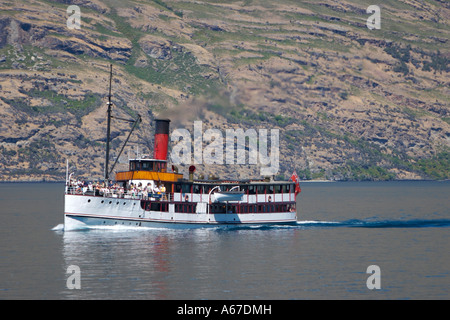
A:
<point x="144" y="164"/>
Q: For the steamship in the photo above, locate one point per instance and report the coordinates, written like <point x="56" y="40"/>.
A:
<point x="150" y="194"/>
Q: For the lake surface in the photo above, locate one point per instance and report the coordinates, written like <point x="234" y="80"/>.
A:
<point x="401" y="227"/>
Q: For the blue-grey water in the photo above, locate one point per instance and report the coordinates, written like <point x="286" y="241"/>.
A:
<point x="401" y="227"/>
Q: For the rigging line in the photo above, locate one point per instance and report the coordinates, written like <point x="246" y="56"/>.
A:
<point x="138" y="120"/>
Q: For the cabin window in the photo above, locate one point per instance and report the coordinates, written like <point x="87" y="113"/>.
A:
<point x="229" y="209"/>
<point x="186" y="188"/>
<point x="196" y="188"/>
<point x="251" y="189"/>
<point x="217" y="208"/>
<point x="277" y="188"/>
<point x="261" y="189"/>
<point x="185" y="208"/>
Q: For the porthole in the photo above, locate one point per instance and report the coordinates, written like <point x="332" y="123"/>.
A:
<point x="117" y="202"/>
<point x="89" y="200"/>
<point x="124" y="203"/>
<point x="103" y="201"/>
<point x="110" y="202"/>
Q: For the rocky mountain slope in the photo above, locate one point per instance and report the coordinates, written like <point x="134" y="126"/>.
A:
<point x="351" y="103"/>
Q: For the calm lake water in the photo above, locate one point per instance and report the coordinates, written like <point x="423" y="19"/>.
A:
<point x="401" y="227"/>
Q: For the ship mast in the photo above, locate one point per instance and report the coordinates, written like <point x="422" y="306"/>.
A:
<point x="108" y="128"/>
<point x="108" y="132"/>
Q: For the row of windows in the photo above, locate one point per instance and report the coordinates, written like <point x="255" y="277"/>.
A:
<point x="158" y="166"/>
<point x="155" y="206"/>
<point x="164" y="206"/>
<point x="250" y="208"/>
<point x="219" y="208"/>
<point x="250" y="189"/>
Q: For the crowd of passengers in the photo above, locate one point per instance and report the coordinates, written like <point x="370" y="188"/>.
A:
<point x="108" y="189"/>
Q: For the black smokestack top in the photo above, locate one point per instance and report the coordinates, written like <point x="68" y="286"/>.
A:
<point x="162" y="126"/>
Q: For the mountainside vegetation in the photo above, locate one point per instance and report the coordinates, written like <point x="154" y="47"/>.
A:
<point x="350" y="102"/>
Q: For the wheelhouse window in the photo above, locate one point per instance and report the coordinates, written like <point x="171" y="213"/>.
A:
<point x="148" y="165"/>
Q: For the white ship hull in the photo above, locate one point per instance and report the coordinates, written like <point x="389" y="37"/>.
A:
<point x="83" y="211"/>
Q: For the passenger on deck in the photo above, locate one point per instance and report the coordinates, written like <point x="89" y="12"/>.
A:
<point x="163" y="192"/>
<point x="149" y="190"/>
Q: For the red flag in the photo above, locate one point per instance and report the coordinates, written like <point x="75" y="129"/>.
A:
<point x="295" y="178"/>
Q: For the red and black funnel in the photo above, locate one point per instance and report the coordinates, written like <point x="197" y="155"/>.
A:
<point x="161" y="138"/>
